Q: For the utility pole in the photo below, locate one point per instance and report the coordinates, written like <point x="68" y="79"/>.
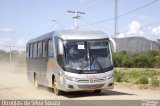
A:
<point x="76" y="17"/>
<point x="116" y="20"/>
<point x="151" y="46"/>
<point x="58" y="23"/>
<point x="158" y="44"/>
<point x="10" y="54"/>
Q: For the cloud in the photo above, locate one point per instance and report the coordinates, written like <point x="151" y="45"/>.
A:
<point x="5" y="40"/>
<point x="134" y="30"/>
<point x="121" y="35"/>
<point x="6" y="30"/>
<point x="135" y="33"/>
<point x="156" y="30"/>
<point x="20" y="45"/>
<point x="134" y="25"/>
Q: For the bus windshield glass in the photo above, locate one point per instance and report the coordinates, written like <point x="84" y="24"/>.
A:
<point x="87" y="55"/>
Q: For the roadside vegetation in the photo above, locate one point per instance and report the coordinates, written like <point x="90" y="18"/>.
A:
<point x="138" y="68"/>
<point x="18" y="61"/>
<point x="150" y="59"/>
<point x="135" y="68"/>
<point x="148" y="77"/>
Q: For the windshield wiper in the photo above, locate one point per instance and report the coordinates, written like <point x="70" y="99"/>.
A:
<point x="84" y="64"/>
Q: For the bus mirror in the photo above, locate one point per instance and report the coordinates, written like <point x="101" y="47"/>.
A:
<point x="113" y="44"/>
<point x="60" y="46"/>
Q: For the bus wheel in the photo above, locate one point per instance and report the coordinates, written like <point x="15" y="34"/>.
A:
<point x="97" y="91"/>
<point x="35" y="82"/>
<point x="56" y="90"/>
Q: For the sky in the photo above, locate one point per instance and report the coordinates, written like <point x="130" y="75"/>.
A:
<point x="22" y="20"/>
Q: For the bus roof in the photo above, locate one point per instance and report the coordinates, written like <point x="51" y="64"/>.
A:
<point x="80" y="34"/>
<point x="73" y="34"/>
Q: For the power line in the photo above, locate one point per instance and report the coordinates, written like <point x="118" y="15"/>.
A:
<point x="99" y="4"/>
<point x="10" y="53"/>
<point x="85" y="6"/>
<point x="58" y="23"/>
<point x="101" y="28"/>
<point x="138" y="8"/>
<point x="76" y="17"/>
<point x="93" y="3"/>
<point x="129" y="12"/>
<point x="63" y="15"/>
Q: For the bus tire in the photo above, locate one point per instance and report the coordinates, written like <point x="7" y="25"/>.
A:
<point x="56" y="90"/>
<point x="97" y="91"/>
<point x="35" y="81"/>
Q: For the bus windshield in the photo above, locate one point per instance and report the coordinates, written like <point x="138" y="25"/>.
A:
<point x="87" y="55"/>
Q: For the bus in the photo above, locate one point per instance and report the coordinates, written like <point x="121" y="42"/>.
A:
<point x="71" y="60"/>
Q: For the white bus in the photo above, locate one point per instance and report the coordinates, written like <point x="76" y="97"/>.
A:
<point x="71" y="60"/>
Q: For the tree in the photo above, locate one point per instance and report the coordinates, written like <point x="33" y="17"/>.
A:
<point x="150" y="59"/>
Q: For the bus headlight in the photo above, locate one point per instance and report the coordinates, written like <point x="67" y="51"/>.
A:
<point x="71" y="78"/>
<point x="110" y="76"/>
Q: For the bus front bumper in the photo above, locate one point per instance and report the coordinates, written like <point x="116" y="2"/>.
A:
<point x="68" y="85"/>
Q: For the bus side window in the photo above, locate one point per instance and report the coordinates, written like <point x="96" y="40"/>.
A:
<point x="27" y="51"/>
<point x="50" y="48"/>
<point x="35" y="49"/>
<point x="40" y="49"/>
<point x="45" y="48"/>
<point x="30" y="50"/>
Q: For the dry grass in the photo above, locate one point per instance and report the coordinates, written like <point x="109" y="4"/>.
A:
<point x="144" y="78"/>
<point x="136" y="69"/>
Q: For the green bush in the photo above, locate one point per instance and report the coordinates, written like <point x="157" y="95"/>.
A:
<point x="150" y="59"/>
<point x="146" y="76"/>
<point x="143" y="80"/>
<point x="118" y="76"/>
<point x="155" y="82"/>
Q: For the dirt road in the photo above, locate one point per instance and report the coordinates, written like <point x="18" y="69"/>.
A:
<point x="16" y="86"/>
